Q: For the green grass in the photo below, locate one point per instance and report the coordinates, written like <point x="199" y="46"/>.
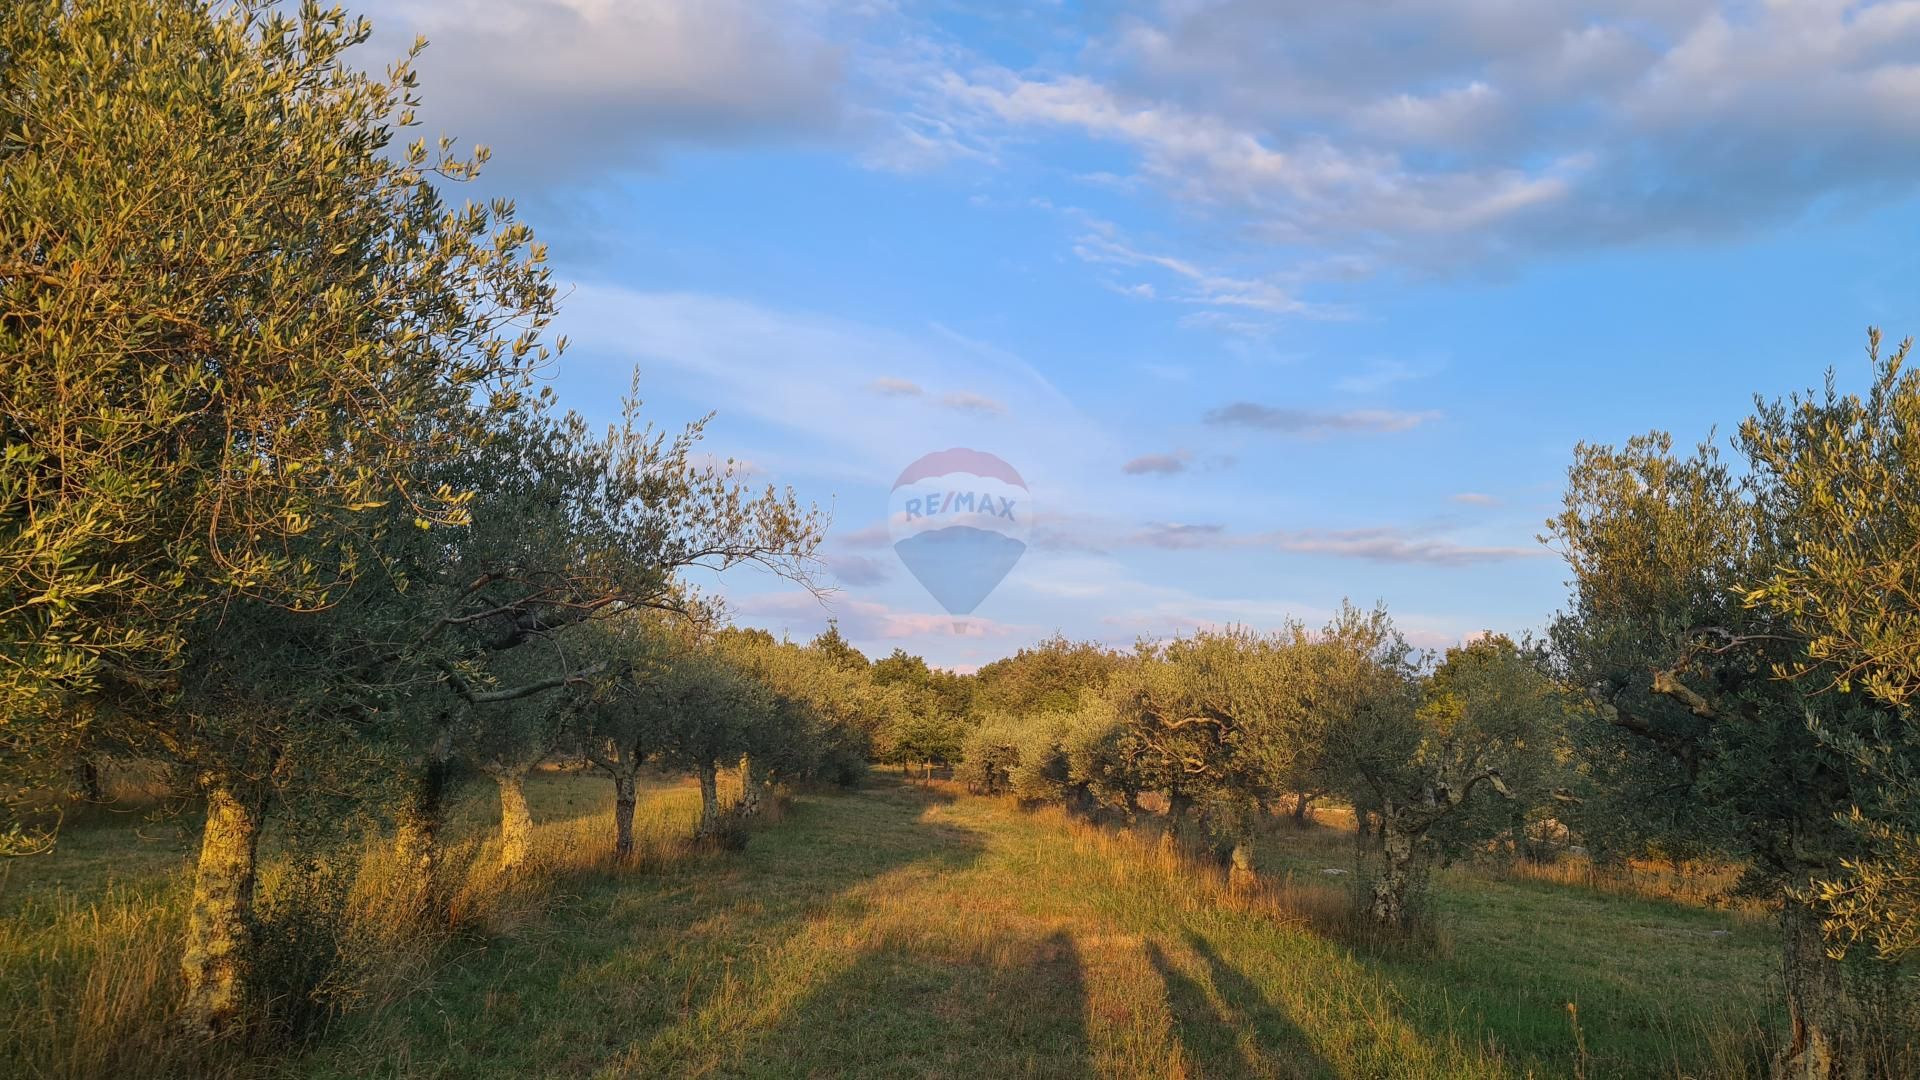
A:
<point x="902" y="930"/>
<point x="898" y="931"/>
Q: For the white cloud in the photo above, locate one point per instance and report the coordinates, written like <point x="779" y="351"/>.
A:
<point x="1441" y="135"/>
<point x="1203" y="286"/>
<point x="858" y="571"/>
<point x="567" y="88"/>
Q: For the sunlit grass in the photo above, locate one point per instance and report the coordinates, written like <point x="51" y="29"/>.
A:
<point x="908" y="930"/>
<point x="89" y="942"/>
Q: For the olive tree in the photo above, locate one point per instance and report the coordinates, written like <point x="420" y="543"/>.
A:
<point x="569" y="527"/>
<point x="1840" y="476"/>
<point x="1104" y="756"/>
<point x="264" y="506"/>
<point x="797" y="730"/>
<point x="1417" y="751"/>
<point x="246" y="333"/>
<point x="708" y="709"/>
<point x="1745" y="628"/>
<point x="988" y="755"/>
<point x="1221" y="718"/>
<point x="235" y="318"/>
<point x="618" y="715"/>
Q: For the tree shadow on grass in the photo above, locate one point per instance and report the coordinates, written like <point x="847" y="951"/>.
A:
<point x="931" y="1009"/>
<point x="624" y="957"/>
<point x="1242" y="1035"/>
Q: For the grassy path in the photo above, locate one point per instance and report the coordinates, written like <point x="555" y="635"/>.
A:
<point x="898" y="932"/>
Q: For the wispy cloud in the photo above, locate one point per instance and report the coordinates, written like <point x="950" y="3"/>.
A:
<point x="1461" y="133"/>
<point x="1393" y="546"/>
<point x="864" y="620"/>
<point x="1201" y="286"/>
<point x="1475" y="498"/>
<point x="892" y="387"/>
<point x="1378" y="544"/>
<point x="792" y="371"/>
<point x="1157" y="464"/>
<point x="1293" y="421"/>
<point x="867" y="537"/>
<point x="968" y="402"/>
<point x="1175" y="534"/>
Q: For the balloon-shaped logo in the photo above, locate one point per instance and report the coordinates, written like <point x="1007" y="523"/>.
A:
<point x="959" y="519"/>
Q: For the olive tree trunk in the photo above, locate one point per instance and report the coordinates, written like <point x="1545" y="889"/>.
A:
<point x="417" y="820"/>
<point x="709" y="826"/>
<point x="624" y="801"/>
<point x="753" y="787"/>
<point x="516" y="821"/>
<point x="1302" y="805"/>
<point x="1817" y="1002"/>
<point x="216" y="965"/>
<point x="1179" y="807"/>
<point x="86" y="779"/>
<point x="1387" y="905"/>
<point x="1240" y="870"/>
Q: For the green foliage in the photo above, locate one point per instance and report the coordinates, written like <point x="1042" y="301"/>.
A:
<point x="988" y="756"/>
<point x="1490" y="706"/>
<point x="1046" y="676"/>
<point x="1838" y="478"/>
<point x="814" y="729"/>
<point x="1040" y="772"/>
<point x="917" y="729"/>
<point x="1696" y="631"/>
<point x="705" y="710"/>
<point x="1102" y="753"/>
<point x="1225" y="718"/>
<point x="1751" y="629"/>
<point x="242" y="329"/>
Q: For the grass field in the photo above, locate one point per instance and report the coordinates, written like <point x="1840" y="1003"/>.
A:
<point x="909" y="931"/>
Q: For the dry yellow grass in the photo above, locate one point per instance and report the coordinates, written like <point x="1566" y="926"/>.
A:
<point x="87" y="979"/>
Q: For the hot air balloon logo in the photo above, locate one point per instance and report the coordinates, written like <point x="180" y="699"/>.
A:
<point x="959" y="520"/>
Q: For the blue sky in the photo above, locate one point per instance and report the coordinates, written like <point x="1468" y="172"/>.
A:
<point x="1270" y="303"/>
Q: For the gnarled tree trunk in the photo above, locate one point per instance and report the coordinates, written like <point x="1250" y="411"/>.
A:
<point x="1240" y="872"/>
<point x="516" y="821"/>
<point x="218" y="961"/>
<point x="1179" y="808"/>
<point x="1302" y="804"/>
<point x="624" y="801"/>
<point x="417" y="819"/>
<point x="1393" y="884"/>
<point x="1817" y="1003"/>
<point x="709" y="825"/>
<point x="86" y="779"/>
<point x="753" y="787"/>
